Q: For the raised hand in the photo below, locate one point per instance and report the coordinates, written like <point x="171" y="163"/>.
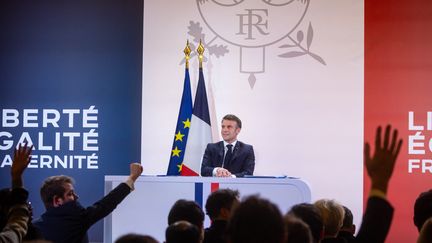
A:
<point x="380" y="166"/>
<point x="20" y="162"/>
<point x="135" y="170"/>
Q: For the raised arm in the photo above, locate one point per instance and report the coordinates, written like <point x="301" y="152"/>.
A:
<point x="135" y="171"/>
<point x="108" y="203"/>
<point x="380" y="166"/>
<point x="379" y="213"/>
<point x="18" y="216"/>
<point x="20" y="162"/>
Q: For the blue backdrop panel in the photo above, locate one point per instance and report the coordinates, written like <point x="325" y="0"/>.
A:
<point x="74" y="55"/>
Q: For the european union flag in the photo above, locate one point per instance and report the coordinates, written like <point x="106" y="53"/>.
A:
<point x="182" y="129"/>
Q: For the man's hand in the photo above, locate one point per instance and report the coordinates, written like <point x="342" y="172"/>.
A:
<point x="20" y="162"/>
<point x="380" y="166"/>
<point x="221" y="172"/>
<point x="135" y="171"/>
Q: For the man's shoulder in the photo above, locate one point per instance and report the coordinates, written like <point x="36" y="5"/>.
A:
<point x="72" y="207"/>
<point x="215" y="145"/>
<point x="244" y="145"/>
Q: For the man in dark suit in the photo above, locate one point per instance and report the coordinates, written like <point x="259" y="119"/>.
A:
<point x="65" y="219"/>
<point x="230" y="157"/>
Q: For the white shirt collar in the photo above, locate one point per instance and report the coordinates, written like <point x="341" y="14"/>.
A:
<point x="233" y="144"/>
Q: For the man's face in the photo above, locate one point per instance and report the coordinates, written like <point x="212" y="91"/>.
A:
<point x="68" y="195"/>
<point x="229" y="131"/>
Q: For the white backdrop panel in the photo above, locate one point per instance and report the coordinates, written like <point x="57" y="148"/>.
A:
<point x="304" y="118"/>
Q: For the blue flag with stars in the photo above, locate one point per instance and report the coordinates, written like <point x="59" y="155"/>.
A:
<point x="182" y="129"/>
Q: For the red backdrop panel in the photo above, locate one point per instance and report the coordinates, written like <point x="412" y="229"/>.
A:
<point x="398" y="79"/>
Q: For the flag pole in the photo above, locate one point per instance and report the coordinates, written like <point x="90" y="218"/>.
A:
<point x="187" y="52"/>
<point x="200" y="51"/>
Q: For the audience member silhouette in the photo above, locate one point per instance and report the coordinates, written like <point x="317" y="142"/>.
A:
<point x="332" y="214"/>
<point x="65" y="220"/>
<point x="309" y="214"/>
<point x="379" y="213"/>
<point x="183" y="232"/>
<point x="256" y="220"/>
<point x="425" y="235"/>
<point x="14" y="211"/>
<point x="136" y="238"/>
<point x="422" y="209"/>
<point x="219" y="207"/>
<point x="190" y="211"/>
<point x="347" y="230"/>
<point x="297" y="231"/>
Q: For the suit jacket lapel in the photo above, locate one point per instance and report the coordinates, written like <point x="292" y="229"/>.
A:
<point x="221" y="153"/>
<point x="236" y="151"/>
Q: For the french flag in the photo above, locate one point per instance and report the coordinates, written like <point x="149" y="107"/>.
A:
<point x="200" y="133"/>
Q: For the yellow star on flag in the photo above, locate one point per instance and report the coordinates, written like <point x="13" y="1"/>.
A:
<point x="176" y="152"/>
<point x="187" y="123"/>
<point x="180" y="167"/>
<point x="179" y="136"/>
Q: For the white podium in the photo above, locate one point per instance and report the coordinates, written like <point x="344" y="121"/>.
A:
<point x="145" y="210"/>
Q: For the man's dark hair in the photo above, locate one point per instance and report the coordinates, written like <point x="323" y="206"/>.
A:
<point x="348" y="218"/>
<point x="297" y="231"/>
<point x="182" y="232"/>
<point x="311" y="216"/>
<point x="54" y="186"/>
<point x="422" y="208"/>
<point x="222" y="198"/>
<point x="136" y="238"/>
<point x="231" y="117"/>
<point x="256" y="220"/>
<point x="186" y="210"/>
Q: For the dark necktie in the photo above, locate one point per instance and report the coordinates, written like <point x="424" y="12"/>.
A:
<point x="228" y="155"/>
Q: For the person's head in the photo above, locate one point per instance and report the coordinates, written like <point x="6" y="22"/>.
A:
<point x="136" y="238"/>
<point x="182" y="232"/>
<point x="297" y="231"/>
<point x="220" y="203"/>
<point x="311" y="216"/>
<point x="347" y="224"/>
<point x="188" y="211"/>
<point x="256" y="220"/>
<point x="422" y="208"/>
<point x="332" y="214"/>
<point x="57" y="190"/>
<point x="231" y="126"/>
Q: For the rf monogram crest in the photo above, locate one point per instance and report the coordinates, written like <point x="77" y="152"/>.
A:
<point x="253" y="26"/>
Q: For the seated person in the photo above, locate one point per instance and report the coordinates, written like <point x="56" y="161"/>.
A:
<point x="256" y="220"/>
<point x="311" y="215"/>
<point x="136" y="238"/>
<point x="348" y="229"/>
<point x="186" y="210"/>
<point x="219" y="207"/>
<point x="228" y="158"/>
<point x="182" y="232"/>
<point x="332" y="214"/>
<point x="422" y="209"/>
<point x="297" y="231"/>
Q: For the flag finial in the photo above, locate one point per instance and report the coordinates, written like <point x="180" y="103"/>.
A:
<point x="200" y="51"/>
<point x="187" y="52"/>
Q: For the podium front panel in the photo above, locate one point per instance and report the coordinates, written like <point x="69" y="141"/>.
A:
<point x="145" y="210"/>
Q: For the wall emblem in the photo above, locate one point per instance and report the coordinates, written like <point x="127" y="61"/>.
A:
<point x="255" y="26"/>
